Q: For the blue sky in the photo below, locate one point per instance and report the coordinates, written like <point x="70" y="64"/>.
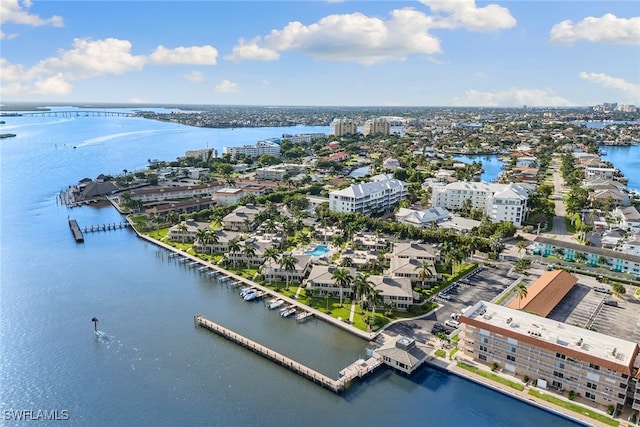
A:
<point x="403" y="53"/>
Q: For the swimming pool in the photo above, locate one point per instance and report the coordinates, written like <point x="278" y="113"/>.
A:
<point x="318" y="251"/>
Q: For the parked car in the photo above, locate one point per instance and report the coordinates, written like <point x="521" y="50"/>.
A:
<point x="601" y="290"/>
<point x="611" y="303"/>
<point x="455" y="316"/>
<point x="445" y="296"/>
<point x="452" y="324"/>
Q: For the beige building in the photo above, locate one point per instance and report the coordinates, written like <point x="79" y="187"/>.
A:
<point x="554" y="355"/>
<point x="340" y="127"/>
<point x="378" y="126"/>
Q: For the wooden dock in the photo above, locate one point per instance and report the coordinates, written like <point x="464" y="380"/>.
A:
<point x="75" y="229"/>
<point x="358" y="369"/>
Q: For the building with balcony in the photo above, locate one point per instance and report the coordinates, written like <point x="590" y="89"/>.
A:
<point x="378" y="126"/>
<point x="555" y="355"/>
<point x="341" y="127"/>
<point x="268" y="146"/>
<point x="501" y="202"/>
<point x="376" y="196"/>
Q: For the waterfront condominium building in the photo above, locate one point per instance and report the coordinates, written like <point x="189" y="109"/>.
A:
<point x="379" y="195"/>
<point x="554" y="355"/>
<point x="501" y="202"/>
<point x="379" y="126"/>
<point x="340" y="127"/>
<point x="268" y="146"/>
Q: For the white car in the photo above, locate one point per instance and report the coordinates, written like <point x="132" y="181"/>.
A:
<point x="452" y="323"/>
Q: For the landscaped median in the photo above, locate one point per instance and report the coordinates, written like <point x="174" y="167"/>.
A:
<point x="574" y="407"/>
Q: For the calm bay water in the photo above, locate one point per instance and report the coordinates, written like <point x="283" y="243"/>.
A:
<point x="627" y="159"/>
<point x="491" y="165"/>
<point x="152" y="366"/>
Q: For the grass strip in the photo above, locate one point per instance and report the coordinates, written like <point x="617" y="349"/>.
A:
<point x="574" y="407"/>
<point x="491" y="376"/>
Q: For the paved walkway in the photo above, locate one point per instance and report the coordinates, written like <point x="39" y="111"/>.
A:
<point x="353" y="312"/>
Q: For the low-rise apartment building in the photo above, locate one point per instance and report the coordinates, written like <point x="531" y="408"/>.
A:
<point x="555" y="355"/>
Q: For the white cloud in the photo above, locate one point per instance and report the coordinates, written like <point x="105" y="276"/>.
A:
<point x="53" y="85"/>
<point x="368" y="40"/>
<point x="227" y="86"/>
<point x="92" y="58"/>
<point x="194" y="77"/>
<point x="196" y="55"/>
<point x="615" y="83"/>
<point x="607" y="29"/>
<point x="13" y="11"/>
<point x="513" y="97"/>
<point x="465" y="14"/>
<point x="7" y="36"/>
<point x="251" y="51"/>
<point x="137" y="100"/>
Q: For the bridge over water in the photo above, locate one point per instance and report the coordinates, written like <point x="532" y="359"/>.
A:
<point x="76" y="113"/>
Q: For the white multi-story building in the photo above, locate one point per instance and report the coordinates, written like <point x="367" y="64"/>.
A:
<point x="379" y="195"/>
<point x="342" y="127"/>
<point x="268" y="146"/>
<point x="501" y="202"/>
<point x="378" y="126"/>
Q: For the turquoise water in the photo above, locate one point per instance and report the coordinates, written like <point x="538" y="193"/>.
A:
<point x="151" y="366"/>
<point x="318" y="251"/>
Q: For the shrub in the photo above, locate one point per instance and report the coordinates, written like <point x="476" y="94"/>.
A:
<point x="610" y="409"/>
<point x="572" y="394"/>
<point x="494" y="366"/>
<point x="525" y="379"/>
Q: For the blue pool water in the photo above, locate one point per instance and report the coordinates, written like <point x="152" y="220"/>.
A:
<point x="318" y="251"/>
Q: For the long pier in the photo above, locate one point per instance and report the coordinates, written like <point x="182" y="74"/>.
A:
<point x="75" y="229"/>
<point x="358" y="369"/>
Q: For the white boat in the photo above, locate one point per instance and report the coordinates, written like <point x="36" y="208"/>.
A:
<point x="289" y="312"/>
<point x="245" y="291"/>
<point x="250" y="296"/>
<point x="275" y="303"/>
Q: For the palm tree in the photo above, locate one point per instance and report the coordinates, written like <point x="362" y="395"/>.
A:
<point x="424" y="272"/>
<point x="234" y="247"/>
<point x="342" y="278"/>
<point x="618" y="289"/>
<point x="212" y="238"/>
<point x="182" y="227"/>
<point x="522" y="245"/>
<point x="271" y="254"/>
<point x="201" y="236"/>
<point x="288" y="264"/>
<point x="248" y="251"/>
<point x="443" y="338"/>
<point x="521" y="292"/>
<point x="361" y="287"/>
<point x="374" y="297"/>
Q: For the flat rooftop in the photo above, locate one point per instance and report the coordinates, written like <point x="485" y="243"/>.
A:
<point x="571" y="340"/>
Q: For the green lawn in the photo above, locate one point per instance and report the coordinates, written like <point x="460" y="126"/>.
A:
<point x="491" y="376"/>
<point x="574" y="407"/>
<point x="441" y="353"/>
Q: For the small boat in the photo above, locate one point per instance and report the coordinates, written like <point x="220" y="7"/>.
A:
<point x="250" y="296"/>
<point x="289" y="312"/>
<point x="245" y="291"/>
<point x="275" y="303"/>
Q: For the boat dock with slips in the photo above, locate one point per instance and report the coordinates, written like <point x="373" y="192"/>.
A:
<point x="357" y="369"/>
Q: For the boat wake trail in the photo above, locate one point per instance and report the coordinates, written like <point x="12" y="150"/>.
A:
<point x="104" y="138"/>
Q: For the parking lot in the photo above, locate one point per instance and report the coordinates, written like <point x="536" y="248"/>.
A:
<point x="586" y="308"/>
<point x="482" y="285"/>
